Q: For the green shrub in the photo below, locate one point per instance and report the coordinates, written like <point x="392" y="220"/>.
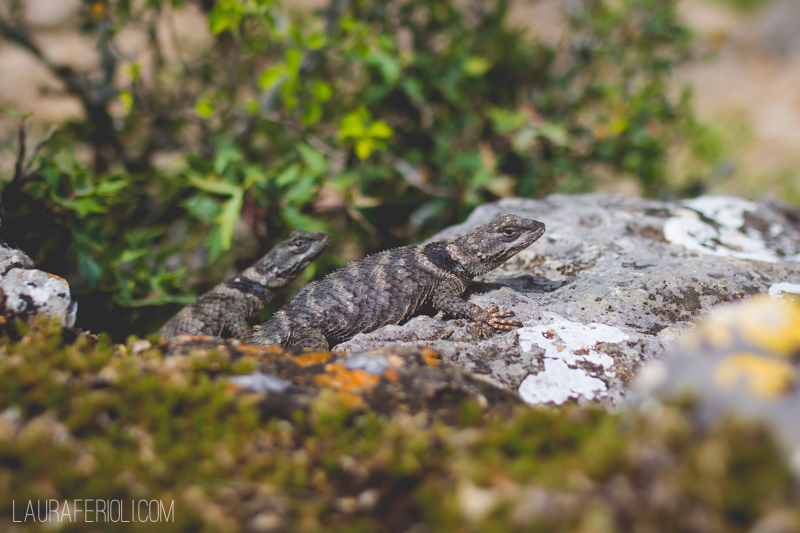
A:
<point x="381" y="121"/>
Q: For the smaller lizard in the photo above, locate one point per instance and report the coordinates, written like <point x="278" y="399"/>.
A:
<point x="226" y="306"/>
<point x="392" y="286"/>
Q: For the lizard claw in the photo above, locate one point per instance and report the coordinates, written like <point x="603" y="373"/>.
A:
<point x="497" y="320"/>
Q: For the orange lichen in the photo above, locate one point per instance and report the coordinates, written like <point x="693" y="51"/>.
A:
<point x="431" y="357"/>
<point x="312" y="358"/>
<point x="233" y="387"/>
<point x="258" y="351"/>
<point x="391" y="375"/>
<point x="59" y="278"/>
<point x="338" y="377"/>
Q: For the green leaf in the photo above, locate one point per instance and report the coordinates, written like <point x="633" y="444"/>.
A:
<point x="555" y="133"/>
<point x="298" y="220"/>
<point x="322" y="91"/>
<point x="227" y="15"/>
<point x="388" y="66"/>
<point x="289" y="175"/>
<point x="270" y="76"/>
<point x="225" y="156"/>
<point x="352" y="125"/>
<point x="301" y="191"/>
<point x="129" y="255"/>
<point x="315" y="41"/>
<point x="204" y="109"/>
<point x="313" y="159"/>
<point x="89" y="268"/>
<point x="214" y="185"/>
<point x="214" y="243"/>
<point x="132" y="71"/>
<point x="379" y="130"/>
<point x="364" y="148"/>
<point x="312" y="113"/>
<point x="253" y="175"/>
<point x="507" y="120"/>
<point x="476" y="66"/>
<point x="294" y="58"/>
<point x="231" y="211"/>
<point x="126" y="100"/>
<point x="82" y="206"/>
<point x="109" y="188"/>
<point x="202" y="207"/>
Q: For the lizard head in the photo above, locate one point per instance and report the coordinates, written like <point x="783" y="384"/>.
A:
<point x="491" y="245"/>
<point x="287" y="259"/>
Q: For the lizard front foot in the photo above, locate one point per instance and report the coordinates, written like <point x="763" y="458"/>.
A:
<point x="497" y="320"/>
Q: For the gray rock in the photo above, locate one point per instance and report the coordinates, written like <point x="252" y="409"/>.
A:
<point x="611" y="285"/>
<point x="13" y="258"/>
<point x="743" y="358"/>
<point x="25" y="291"/>
<point x="261" y="382"/>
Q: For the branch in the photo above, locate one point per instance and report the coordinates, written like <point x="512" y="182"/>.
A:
<point x="19" y="165"/>
<point x="93" y="98"/>
<point x="417" y="178"/>
<point x="41" y="144"/>
<point x="23" y="163"/>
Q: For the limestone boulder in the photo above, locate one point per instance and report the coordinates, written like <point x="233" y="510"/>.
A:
<point x="611" y="285"/>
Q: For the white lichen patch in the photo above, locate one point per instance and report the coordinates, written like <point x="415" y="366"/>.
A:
<point x="779" y="291"/>
<point x="558" y="382"/>
<point x="727" y="211"/>
<point x="567" y="346"/>
<point x="727" y="237"/>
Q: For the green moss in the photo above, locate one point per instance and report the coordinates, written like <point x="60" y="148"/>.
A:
<point x="91" y="420"/>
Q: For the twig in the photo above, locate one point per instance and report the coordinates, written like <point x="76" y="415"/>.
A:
<point x="41" y="144"/>
<point x="19" y="165"/>
<point x="414" y="177"/>
<point x="24" y="162"/>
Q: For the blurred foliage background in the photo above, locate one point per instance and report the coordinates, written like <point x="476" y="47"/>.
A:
<point x="379" y="121"/>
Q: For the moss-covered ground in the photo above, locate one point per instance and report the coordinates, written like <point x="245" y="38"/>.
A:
<point x="81" y="418"/>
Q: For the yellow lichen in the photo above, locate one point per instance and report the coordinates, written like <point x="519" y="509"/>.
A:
<point x="771" y="326"/>
<point x="717" y="335"/>
<point x="764" y="377"/>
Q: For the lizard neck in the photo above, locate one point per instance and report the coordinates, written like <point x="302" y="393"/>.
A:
<point x="248" y="286"/>
<point x="472" y="264"/>
<point x="443" y="258"/>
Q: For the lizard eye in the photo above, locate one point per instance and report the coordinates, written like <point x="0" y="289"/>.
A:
<point x="510" y="232"/>
<point x="299" y="245"/>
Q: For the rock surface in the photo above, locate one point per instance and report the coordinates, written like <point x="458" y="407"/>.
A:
<point x="743" y="359"/>
<point x="25" y="291"/>
<point x="612" y="284"/>
<point x="383" y="381"/>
